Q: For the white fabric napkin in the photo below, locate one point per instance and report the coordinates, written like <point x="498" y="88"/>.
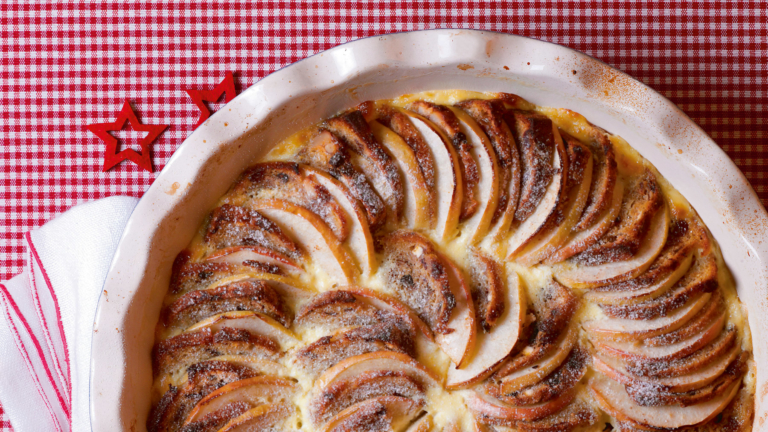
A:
<point x="48" y="312"/>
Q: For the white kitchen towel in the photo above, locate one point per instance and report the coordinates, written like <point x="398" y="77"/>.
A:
<point x="48" y="312"/>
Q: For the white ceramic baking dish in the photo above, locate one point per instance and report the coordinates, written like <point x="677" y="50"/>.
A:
<point x="381" y="67"/>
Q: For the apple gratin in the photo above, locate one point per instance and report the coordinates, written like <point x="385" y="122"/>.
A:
<point x="452" y="261"/>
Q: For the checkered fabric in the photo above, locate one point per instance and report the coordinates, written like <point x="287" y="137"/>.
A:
<point x="72" y="63"/>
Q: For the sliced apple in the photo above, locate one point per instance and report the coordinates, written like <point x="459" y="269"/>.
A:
<point x="489" y="177"/>
<point x="253" y="391"/>
<point x="308" y="230"/>
<point x="461" y="340"/>
<point x="494" y="346"/>
<point x="419" y="200"/>
<point x="487" y="285"/>
<point x="257" y="364"/>
<point x="583" y="239"/>
<point x="536" y="220"/>
<point x="253" y="322"/>
<point x="360" y="240"/>
<point x="614" y="399"/>
<point x="709" y="314"/>
<point x="650" y="292"/>
<point x="569" y="209"/>
<point x="448" y="181"/>
<point x="537" y="371"/>
<point x="385" y="302"/>
<point x="262" y="417"/>
<point x="369" y="156"/>
<point x="636" y="329"/>
<point x="495" y="411"/>
<point x="422" y="424"/>
<point x="634" y="350"/>
<point x="372" y="362"/>
<point x="581" y="276"/>
<point x="445" y="119"/>
<point x="576" y="415"/>
<point x="258" y="254"/>
<point x="604" y="178"/>
<point x="616" y="370"/>
<point x="385" y="413"/>
<point x="187" y="275"/>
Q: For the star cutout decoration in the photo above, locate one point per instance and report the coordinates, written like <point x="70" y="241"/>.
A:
<point x="111" y="156"/>
<point x="200" y="97"/>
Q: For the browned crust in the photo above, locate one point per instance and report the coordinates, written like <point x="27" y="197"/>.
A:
<point x="536" y="140"/>
<point x="554" y="308"/>
<point x="202" y="379"/>
<point x="577" y="414"/>
<point x="189" y="276"/>
<point x="578" y="156"/>
<point x="352" y="129"/>
<point x="217" y="419"/>
<point x="446" y="120"/>
<point x="368" y="385"/>
<point x="604" y="173"/>
<point x="487" y="287"/>
<point x="283" y="180"/>
<point x="248" y="295"/>
<point x="194" y="347"/>
<point x="701" y="278"/>
<point x="561" y="380"/>
<point x="237" y="226"/>
<point x="401" y="125"/>
<point x="412" y="266"/>
<point x="489" y="114"/>
<point x="622" y="241"/>
<point x="326" y="152"/>
<point x="700" y="358"/>
<point x="329" y="350"/>
<point x="649" y="395"/>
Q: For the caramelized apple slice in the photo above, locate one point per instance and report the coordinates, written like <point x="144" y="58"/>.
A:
<point x="262" y="417"/>
<point x="604" y="178"/>
<point x="636" y="329"/>
<point x="544" y="213"/>
<point x="248" y="255"/>
<point x="253" y="322"/>
<point x="328" y="153"/>
<point x="489" y="172"/>
<point x="537" y="371"/>
<point x="344" y="394"/>
<point x="189" y="276"/>
<point x="582" y="240"/>
<point x="448" y="181"/>
<point x="385" y="413"/>
<point x="494" y="345"/>
<point x="419" y="200"/>
<point x="633" y="350"/>
<point x="616" y="370"/>
<point x="308" y="230"/>
<point x="360" y="240"/>
<point x="422" y="424"/>
<point x="569" y="207"/>
<point x="580" y="276"/>
<point x="329" y="350"/>
<point x="487" y="288"/>
<point x="414" y="269"/>
<point x="284" y="181"/>
<point x="458" y="343"/>
<point x="252" y="391"/>
<point x="237" y="226"/>
<point x="489" y="114"/>
<point x="445" y="119"/>
<point x="614" y="399"/>
<point x="576" y="415"/>
<point x="371" y="158"/>
<point x="493" y="411"/>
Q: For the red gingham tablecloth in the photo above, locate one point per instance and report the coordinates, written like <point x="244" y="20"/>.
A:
<point x="73" y="63"/>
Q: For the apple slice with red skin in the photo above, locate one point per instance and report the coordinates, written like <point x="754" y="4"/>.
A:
<point x="612" y="398"/>
<point x="448" y="178"/>
<point x="308" y="230"/>
<point x="253" y="322"/>
<point x="260" y="418"/>
<point x="360" y="240"/>
<point x="258" y="254"/>
<point x="581" y="276"/>
<point x="254" y="391"/>
<point x="458" y="343"/>
<point x="419" y="200"/>
<point x="492" y="348"/>
<point x="493" y="411"/>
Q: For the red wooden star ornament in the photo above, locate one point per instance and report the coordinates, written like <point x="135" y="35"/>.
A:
<point x="200" y="97"/>
<point x="111" y="156"/>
